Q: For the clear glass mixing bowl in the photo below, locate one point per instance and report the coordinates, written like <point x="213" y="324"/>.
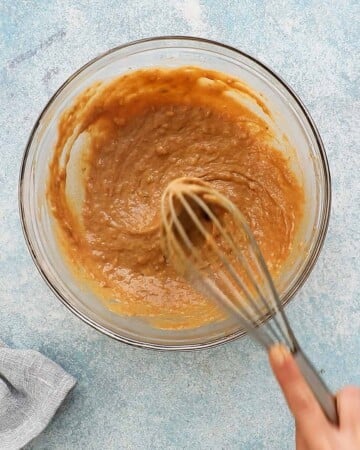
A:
<point x="308" y="161"/>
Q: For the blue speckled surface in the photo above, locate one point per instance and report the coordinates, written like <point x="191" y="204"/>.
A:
<point x="223" y="398"/>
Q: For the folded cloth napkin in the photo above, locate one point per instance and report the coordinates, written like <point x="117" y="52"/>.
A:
<point x="31" y="389"/>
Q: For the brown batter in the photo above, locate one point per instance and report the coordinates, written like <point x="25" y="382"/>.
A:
<point x="141" y="131"/>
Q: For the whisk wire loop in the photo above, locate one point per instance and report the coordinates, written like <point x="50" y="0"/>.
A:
<point x="236" y="293"/>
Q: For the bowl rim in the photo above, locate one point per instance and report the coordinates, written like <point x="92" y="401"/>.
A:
<point x="325" y="213"/>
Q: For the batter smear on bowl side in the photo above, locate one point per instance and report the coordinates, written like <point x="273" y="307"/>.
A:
<point x="121" y="142"/>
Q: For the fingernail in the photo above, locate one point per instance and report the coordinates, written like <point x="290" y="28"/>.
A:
<point x="279" y="354"/>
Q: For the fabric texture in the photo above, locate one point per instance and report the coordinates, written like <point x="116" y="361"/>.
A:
<point x="32" y="387"/>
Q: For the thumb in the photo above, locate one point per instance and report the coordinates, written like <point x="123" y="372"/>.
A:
<point x="298" y="395"/>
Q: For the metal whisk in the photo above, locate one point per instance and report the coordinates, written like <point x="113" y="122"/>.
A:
<point x="208" y="241"/>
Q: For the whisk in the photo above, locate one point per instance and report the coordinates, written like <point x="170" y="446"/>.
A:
<point x="208" y="241"/>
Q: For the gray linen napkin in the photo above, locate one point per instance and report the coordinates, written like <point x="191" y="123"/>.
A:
<point x="31" y="389"/>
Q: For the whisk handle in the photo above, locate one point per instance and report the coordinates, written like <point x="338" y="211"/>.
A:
<point x="323" y="395"/>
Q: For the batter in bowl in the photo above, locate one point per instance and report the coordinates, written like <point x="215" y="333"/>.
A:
<point x="132" y="136"/>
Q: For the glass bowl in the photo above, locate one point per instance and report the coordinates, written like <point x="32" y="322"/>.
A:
<point x="309" y="163"/>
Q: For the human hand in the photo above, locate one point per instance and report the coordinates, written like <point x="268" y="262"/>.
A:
<point x="313" y="430"/>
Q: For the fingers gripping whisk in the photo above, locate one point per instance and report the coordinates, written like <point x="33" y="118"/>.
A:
<point x="209" y="242"/>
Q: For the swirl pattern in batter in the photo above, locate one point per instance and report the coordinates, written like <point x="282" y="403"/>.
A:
<point x="136" y="134"/>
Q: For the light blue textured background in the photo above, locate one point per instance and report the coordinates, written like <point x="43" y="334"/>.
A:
<point x="223" y="398"/>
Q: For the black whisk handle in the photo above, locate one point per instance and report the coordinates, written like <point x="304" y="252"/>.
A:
<point x="323" y="395"/>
